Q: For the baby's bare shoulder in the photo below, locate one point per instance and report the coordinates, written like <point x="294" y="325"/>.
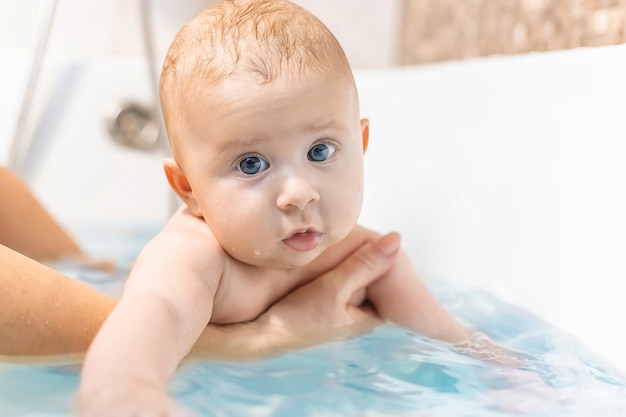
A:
<point x="189" y="234"/>
<point x="186" y="249"/>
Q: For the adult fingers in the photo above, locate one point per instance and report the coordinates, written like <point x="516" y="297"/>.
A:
<point x="367" y="264"/>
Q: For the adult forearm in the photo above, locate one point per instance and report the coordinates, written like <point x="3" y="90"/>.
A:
<point x="27" y="227"/>
<point x="43" y="312"/>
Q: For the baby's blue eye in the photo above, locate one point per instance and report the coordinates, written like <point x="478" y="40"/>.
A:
<point x="251" y="165"/>
<point x="320" y="152"/>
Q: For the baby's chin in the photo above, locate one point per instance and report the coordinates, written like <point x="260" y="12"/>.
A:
<point x="285" y="258"/>
<point x="283" y="262"/>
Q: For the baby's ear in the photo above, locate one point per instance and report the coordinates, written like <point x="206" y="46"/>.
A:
<point x="365" y="133"/>
<point x="179" y="183"/>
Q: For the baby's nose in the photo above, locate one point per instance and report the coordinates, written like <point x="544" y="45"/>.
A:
<point x="296" y="192"/>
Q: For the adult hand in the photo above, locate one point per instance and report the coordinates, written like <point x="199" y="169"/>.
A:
<point x="331" y="306"/>
<point x="325" y="309"/>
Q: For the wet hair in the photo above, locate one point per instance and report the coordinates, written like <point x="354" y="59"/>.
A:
<point x="265" y="39"/>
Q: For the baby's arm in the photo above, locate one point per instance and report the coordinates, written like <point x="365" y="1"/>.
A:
<point x="166" y="305"/>
<point x="401" y="297"/>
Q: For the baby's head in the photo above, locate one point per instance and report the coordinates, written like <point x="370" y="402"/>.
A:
<point x="262" y="114"/>
<point x="254" y="41"/>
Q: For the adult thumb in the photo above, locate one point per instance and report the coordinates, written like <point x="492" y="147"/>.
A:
<point x="369" y="262"/>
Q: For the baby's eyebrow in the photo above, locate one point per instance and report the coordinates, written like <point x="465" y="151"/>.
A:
<point x="237" y="143"/>
<point x="242" y="142"/>
<point x="323" y="125"/>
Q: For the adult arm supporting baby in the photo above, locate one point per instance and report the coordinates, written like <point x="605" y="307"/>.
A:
<point x="45" y="314"/>
<point x="27" y="227"/>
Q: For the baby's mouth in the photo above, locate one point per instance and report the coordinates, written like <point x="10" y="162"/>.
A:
<point x="303" y="241"/>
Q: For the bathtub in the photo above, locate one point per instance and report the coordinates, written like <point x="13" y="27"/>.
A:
<point x="503" y="173"/>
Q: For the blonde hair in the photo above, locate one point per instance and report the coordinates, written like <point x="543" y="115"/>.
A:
<point x="262" y="38"/>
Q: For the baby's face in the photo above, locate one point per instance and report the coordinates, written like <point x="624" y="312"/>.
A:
<point x="277" y="168"/>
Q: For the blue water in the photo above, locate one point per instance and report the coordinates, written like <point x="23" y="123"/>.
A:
<point x="387" y="372"/>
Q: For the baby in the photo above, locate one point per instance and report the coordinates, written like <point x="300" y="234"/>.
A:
<point x="263" y="118"/>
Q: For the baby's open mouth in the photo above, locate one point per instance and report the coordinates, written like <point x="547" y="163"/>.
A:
<point x="303" y="241"/>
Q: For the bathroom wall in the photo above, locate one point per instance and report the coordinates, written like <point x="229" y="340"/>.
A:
<point x="374" y="33"/>
<point x="439" y="30"/>
<point x="368" y="29"/>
